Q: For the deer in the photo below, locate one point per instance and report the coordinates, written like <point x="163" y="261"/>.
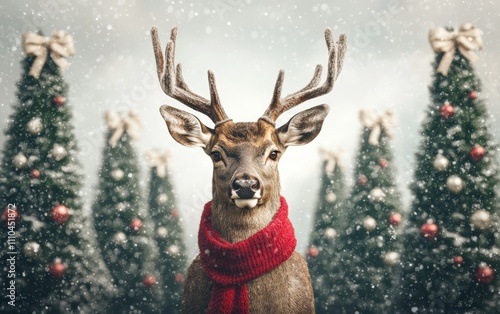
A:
<point x="247" y="261"/>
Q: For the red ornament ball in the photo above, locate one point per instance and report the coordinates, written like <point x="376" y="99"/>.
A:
<point x="174" y="213"/>
<point x="149" y="281"/>
<point x="312" y="251"/>
<point x="179" y="278"/>
<point x="57" y="269"/>
<point x="429" y="230"/>
<point x="10" y="214"/>
<point x="362" y="180"/>
<point x="485" y="274"/>
<point x="472" y="95"/>
<point x="447" y="111"/>
<point x="60" y="213"/>
<point x="395" y="219"/>
<point x="458" y="260"/>
<point x="383" y="163"/>
<point x="477" y="152"/>
<point x="58" y="101"/>
<point x="35" y="174"/>
<point x="135" y="224"/>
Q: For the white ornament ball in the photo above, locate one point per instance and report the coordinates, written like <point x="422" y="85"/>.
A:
<point x="331" y="197"/>
<point x="369" y="223"/>
<point x="120" y="238"/>
<point x="162" y="198"/>
<point x="330" y="233"/>
<point x="117" y="174"/>
<point x="20" y="161"/>
<point x="441" y="163"/>
<point x="58" y="152"/>
<point x="455" y="184"/>
<point x="173" y="249"/>
<point x="480" y="219"/>
<point x="35" y="126"/>
<point x="391" y="258"/>
<point x="31" y="249"/>
<point x="162" y="232"/>
<point x="377" y="195"/>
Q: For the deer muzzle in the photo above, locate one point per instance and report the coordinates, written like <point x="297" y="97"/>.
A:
<point x="245" y="192"/>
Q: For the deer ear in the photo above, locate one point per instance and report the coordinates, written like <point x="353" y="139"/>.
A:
<point x="185" y="128"/>
<point x="303" y="127"/>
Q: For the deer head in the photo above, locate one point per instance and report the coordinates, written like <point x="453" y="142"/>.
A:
<point x="245" y="155"/>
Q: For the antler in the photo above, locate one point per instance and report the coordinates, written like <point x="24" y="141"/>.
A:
<point x="336" y="53"/>
<point x="173" y="83"/>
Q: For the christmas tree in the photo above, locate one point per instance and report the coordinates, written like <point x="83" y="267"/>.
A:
<point x="49" y="260"/>
<point x="122" y="223"/>
<point x="367" y="251"/>
<point x="451" y="262"/>
<point x="327" y="223"/>
<point x="168" y="231"/>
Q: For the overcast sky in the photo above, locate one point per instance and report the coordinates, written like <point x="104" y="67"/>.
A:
<point x="246" y="42"/>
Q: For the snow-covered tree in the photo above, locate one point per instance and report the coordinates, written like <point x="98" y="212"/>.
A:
<point x="451" y="262"/>
<point x="326" y="225"/>
<point x="168" y="231"/>
<point x="367" y="250"/>
<point x="123" y="224"/>
<point x="49" y="259"/>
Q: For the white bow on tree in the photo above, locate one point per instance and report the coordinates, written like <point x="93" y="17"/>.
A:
<point x="332" y="159"/>
<point x="385" y="122"/>
<point x="159" y="161"/>
<point x="60" y="45"/>
<point x="129" y="123"/>
<point x="466" y="40"/>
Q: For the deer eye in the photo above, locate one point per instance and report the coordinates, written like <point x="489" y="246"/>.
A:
<point x="273" y="155"/>
<point x="216" y="156"/>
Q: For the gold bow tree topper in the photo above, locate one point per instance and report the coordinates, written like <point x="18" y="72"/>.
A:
<point x="384" y="122"/>
<point x="467" y="40"/>
<point x="158" y="160"/>
<point x="60" y="45"/>
<point x="118" y="123"/>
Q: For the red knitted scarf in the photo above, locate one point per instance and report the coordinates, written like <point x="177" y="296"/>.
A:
<point x="231" y="265"/>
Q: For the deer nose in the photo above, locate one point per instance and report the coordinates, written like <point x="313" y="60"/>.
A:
<point x="246" y="188"/>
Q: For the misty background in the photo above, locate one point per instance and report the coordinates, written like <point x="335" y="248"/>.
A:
<point x="245" y="43"/>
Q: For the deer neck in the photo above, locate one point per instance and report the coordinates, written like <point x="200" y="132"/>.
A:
<point x="235" y="224"/>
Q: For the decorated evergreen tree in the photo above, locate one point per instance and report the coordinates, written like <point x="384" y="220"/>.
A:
<point x="123" y="225"/>
<point x="48" y="255"/>
<point x="451" y="263"/>
<point x="367" y="251"/>
<point x="327" y="223"/>
<point x="168" y="231"/>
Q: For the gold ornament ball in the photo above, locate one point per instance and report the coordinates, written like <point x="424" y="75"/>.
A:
<point x="35" y="126"/>
<point x="162" y="198"/>
<point x="31" y="249"/>
<point x="162" y="232"/>
<point x="377" y="195"/>
<point x="120" y="238"/>
<point x="58" y="152"/>
<point x="331" y="197"/>
<point x="391" y="258"/>
<point x="455" y="184"/>
<point x="369" y="223"/>
<point x="20" y="161"/>
<point x="173" y="249"/>
<point x="330" y="233"/>
<point x="117" y="174"/>
<point x="480" y="219"/>
<point x="441" y="163"/>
